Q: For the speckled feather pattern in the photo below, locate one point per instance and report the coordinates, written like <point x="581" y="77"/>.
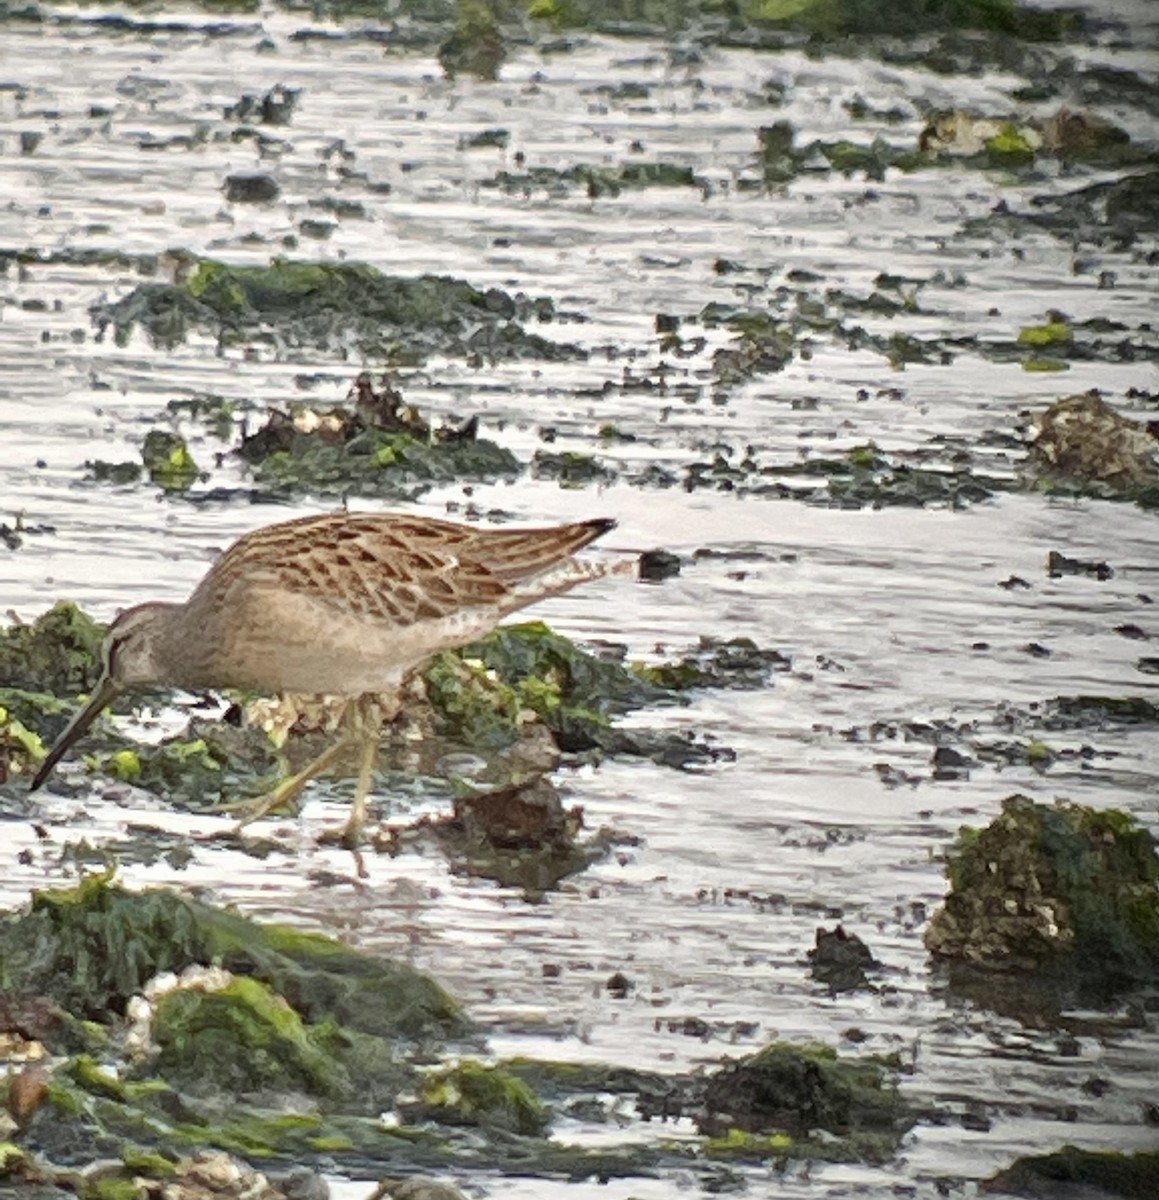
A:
<point x="348" y="602"/>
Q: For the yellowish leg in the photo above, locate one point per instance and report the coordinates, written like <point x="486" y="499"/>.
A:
<point x="290" y="789"/>
<point x="367" y="722"/>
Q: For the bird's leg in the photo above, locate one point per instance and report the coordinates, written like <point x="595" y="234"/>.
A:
<point x="291" y="787"/>
<point x="368" y="721"/>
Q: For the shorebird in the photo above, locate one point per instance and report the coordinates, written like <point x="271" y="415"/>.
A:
<point x="346" y="604"/>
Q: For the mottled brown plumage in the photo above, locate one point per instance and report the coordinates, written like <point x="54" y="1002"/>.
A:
<point x="344" y="604"/>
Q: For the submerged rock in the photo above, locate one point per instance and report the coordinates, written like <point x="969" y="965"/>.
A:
<point x="422" y="1188"/>
<point x="1062" y="889"/>
<point x="251" y="187"/>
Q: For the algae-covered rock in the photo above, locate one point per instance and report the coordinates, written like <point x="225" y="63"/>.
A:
<point x="59" y="652"/>
<point x="479" y="693"/>
<point x="168" y="461"/>
<point x="1074" y="1172"/>
<point x="347" y="307"/>
<point x="341" y="454"/>
<point x="476" y="45"/>
<point x="797" y="1089"/>
<point x="1083" y="442"/>
<point x="474" y="1094"/>
<point x="92" y="947"/>
<point x="1011" y="141"/>
<point x="719" y="663"/>
<point x="242" y="1038"/>
<point x="1052" y="887"/>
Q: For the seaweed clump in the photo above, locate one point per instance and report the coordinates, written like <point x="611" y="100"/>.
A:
<point x="92" y="947"/>
<point x="1104" y="1172"/>
<point x="347" y="307"/>
<point x="789" y="1099"/>
<point x="374" y="445"/>
<point x="1057" y="888"/>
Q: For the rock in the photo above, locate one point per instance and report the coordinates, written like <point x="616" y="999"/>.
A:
<point x="1082" y="439"/>
<point x="656" y="565"/>
<point x="251" y="187"/>
<point x="1057" y="887"/>
<point x="423" y="1188"/>
<point x="840" y="959"/>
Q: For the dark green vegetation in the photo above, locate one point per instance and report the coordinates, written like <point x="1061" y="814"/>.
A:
<point x="91" y="948"/>
<point x="471" y="33"/>
<point x="373" y="444"/>
<point x="286" y="1046"/>
<point x="340" y="307"/>
<point x="1132" y="1176"/>
<point x="782" y="1102"/>
<point x="1062" y="889"/>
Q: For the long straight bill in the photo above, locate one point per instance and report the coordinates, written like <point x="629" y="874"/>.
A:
<point x="102" y="695"/>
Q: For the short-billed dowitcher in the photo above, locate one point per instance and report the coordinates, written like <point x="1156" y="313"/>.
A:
<point x="345" y="604"/>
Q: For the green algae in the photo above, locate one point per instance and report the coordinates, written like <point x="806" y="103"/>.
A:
<point x="20" y="747"/>
<point x="470" y="703"/>
<point x="92" y="947"/>
<point x="1041" y="365"/>
<point x="168" y="461"/>
<point x="717" y="663"/>
<point x="1060" y="888"/>
<point x="124" y="765"/>
<point x="570" y="468"/>
<point x="345" y="306"/>
<point x="472" y="1093"/>
<point x="243" y="1038"/>
<point x="1053" y="333"/>
<point x="119" y="474"/>
<point x="87" y="1074"/>
<point x="196" y="770"/>
<point x="59" y="652"/>
<point x="1009" y="147"/>
<point x="1110" y="1173"/>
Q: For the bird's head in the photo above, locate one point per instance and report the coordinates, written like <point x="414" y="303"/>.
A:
<point x="130" y="657"/>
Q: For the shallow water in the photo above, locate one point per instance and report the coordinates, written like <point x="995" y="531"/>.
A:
<point x="711" y="914"/>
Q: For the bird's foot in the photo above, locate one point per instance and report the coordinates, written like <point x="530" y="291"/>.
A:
<point x="348" y="837"/>
<point x="250" y="811"/>
<point x="289" y="790"/>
